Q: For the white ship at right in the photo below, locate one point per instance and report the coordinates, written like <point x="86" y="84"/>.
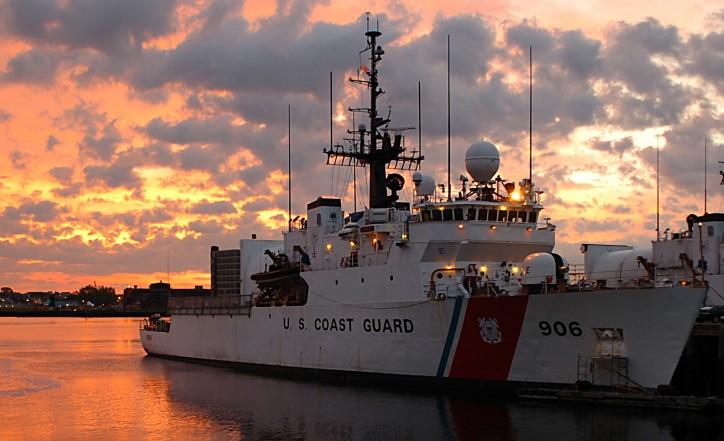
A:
<point x="692" y="256"/>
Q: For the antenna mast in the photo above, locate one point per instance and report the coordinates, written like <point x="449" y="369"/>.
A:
<point x="289" y="165"/>
<point x="530" y="114"/>
<point x="373" y="147"/>
<point x="657" y="187"/>
<point x="705" y="175"/>
<point x="448" y="118"/>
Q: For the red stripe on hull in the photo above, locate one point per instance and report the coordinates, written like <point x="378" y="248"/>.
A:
<point x="488" y="337"/>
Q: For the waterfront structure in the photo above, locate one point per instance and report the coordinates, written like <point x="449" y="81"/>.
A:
<point x="225" y="271"/>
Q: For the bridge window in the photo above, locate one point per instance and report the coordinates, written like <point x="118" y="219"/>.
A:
<point x="436" y="215"/>
<point x="425" y="215"/>
<point x="492" y="215"/>
<point x="502" y="216"/>
<point x="458" y="213"/>
<point x="471" y="213"/>
<point x="447" y="214"/>
<point x="533" y="217"/>
<point x="513" y="216"/>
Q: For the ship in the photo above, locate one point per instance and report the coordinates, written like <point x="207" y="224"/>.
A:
<point x="460" y="288"/>
<point x="690" y="255"/>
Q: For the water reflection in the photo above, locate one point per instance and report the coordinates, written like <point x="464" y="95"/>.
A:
<point x="88" y="379"/>
<point x="256" y="407"/>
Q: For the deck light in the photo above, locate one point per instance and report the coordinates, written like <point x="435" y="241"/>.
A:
<point x="351" y="243"/>
<point x="492" y="227"/>
<point x="329" y="247"/>
<point x="460" y="226"/>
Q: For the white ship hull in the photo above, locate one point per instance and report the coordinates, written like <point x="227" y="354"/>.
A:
<point x="465" y="288"/>
<point x="534" y="339"/>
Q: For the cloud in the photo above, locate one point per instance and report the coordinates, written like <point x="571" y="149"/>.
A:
<point x="61" y="174"/>
<point x="113" y="176"/>
<point x="51" y="143"/>
<point x="184" y="104"/>
<point x="216" y="207"/>
<point x="35" y="66"/>
<point x="43" y="211"/>
<point x="19" y="159"/>
<point x="112" y="28"/>
<point x="104" y="146"/>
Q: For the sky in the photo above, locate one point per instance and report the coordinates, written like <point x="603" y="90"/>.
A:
<point x="135" y="135"/>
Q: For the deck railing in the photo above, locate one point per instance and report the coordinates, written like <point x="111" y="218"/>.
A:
<point x="212" y="305"/>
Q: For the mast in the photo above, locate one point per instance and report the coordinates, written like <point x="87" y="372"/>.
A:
<point x="289" y="165"/>
<point x="374" y="146"/>
<point x="704" y="175"/>
<point x="657" y="188"/>
<point x="449" y="198"/>
<point x="530" y="114"/>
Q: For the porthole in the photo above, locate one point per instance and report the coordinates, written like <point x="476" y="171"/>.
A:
<point x="363" y="280"/>
<point x="392" y="278"/>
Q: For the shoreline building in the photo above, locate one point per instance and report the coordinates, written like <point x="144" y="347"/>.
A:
<point x="225" y="271"/>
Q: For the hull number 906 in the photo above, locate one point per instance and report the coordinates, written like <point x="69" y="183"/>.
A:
<point x="560" y="328"/>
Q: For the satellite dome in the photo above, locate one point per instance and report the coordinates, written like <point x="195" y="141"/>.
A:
<point x="482" y="161"/>
<point x="426" y="185"/>
<point x="417" y="177"/>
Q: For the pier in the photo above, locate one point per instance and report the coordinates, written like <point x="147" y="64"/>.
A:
<point x="700" y="371"/>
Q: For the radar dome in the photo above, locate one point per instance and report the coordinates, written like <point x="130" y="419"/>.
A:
<point x="482" y="161"/>
<point x="426" y="185"/>
<point x="417" y="177"/>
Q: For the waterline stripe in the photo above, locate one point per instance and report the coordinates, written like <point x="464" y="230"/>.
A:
<point x="450" y="336"/>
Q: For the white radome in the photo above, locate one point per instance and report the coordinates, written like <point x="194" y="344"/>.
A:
<point x="482" y="160"/>
<point x="424" y="185"/>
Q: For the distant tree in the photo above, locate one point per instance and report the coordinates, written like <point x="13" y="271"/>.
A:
<point x="98" y="295"/>
<point x="6" y="290"/>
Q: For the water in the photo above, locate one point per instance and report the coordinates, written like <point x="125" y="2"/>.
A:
<point x="83" y="379"/>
